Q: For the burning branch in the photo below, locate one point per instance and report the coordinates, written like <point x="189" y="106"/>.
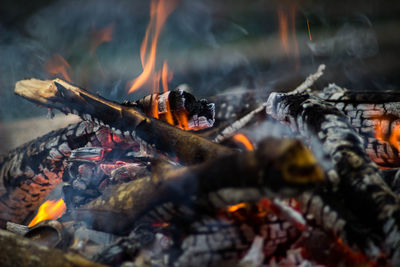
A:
<point x="187" y="147"/>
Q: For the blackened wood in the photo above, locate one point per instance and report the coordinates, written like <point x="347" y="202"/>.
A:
<point x="279" y="166"/>
<point x="19" y="251"/>
<point x="175" y="106"/>
<point x="187" y="147"/>
<point x="364" y="191"/>
<point x="29" y="173"/>
<point x="372" y="114"/>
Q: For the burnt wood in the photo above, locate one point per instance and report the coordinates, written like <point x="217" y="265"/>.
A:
<point x="29" y="173"/>
<point x="128" y="121"/>
<point x="367" y="111"/>
<point x="359" y="181"/>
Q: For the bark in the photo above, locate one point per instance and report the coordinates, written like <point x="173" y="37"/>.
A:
<point x="360" y="183"/>
<point x="185" y="146"/>
<point x="19" y="251"/>
<point x="278" y="167"/>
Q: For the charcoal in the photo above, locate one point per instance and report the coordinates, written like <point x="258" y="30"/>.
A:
<point x="360" y="184"/>
<point x="366" y="111"/>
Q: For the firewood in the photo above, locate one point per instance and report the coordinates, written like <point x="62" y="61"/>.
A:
<point x="29" y="173"/>
<point x="179" y="108"/>
<point x="368" y="111"/>
<point x="187" y="147"/>
<point x="19" y="251"/>
<point x="360" y="183"/>
<point x="279" y="166"/>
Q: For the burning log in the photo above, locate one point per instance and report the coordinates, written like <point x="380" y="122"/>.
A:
<point x="360" y="185"/>
<point x="127" y="121"/>
<point x="178" y="108"/>
<point x="19" y="251"/>
<point x="375" y="116"/>
<point x="29" y="173"/>
<point x="277" y="167"/>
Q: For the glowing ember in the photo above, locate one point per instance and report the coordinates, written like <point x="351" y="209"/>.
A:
<point x="236" y="207"/>
<point x="57" y="65"/>
<point x="49" y="210"/>
<point x="159" y="12"/>
<point x="384" y="134"/>
<point x="241" y="138"/>
<point x="100" y="36"/>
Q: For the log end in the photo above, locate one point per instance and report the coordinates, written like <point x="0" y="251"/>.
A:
<point x="36" y="90"/>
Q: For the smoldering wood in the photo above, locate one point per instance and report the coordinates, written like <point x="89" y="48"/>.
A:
<point x="367" y="111"/>
<point x="170" y="106"/>
<point x="29" y="173"/>
<point x="360" y="183"/>
<point x="187" y="147"/>
<point x="282" y="166"/>
<point x="19" y="251"/>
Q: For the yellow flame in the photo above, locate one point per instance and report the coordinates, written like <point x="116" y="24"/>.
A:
<point x="159" y="12"/>
<point x="49" y="210"/>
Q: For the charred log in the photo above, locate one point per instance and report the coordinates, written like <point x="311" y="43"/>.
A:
<point x="360" y="183"/>
<point x="30" y="172"/>
<point x="179" y="108"/>
<point x="375" y="116"/>
<point x="187" y="147"/>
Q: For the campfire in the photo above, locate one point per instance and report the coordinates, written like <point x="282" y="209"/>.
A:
<point x="305" y="177"/>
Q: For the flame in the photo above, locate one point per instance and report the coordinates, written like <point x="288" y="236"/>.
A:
<point x="49" y="210"/>
<point x="241" y="138"/>
<point x="309" y="31"/>
<point x="287" y="22"/>
<point x="159" y="12"/>
<point x="57" y="65"/>
<point x="100" y="36"/>
<point x="236" y="207"/>
<point x="384" y="134"/>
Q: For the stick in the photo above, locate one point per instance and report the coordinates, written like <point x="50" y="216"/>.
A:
<point x="187" y="147"/>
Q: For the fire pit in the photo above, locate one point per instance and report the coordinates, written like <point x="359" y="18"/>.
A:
<point x="306" y="176"/>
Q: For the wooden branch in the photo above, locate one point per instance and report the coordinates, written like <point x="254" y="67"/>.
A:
<point x="279" y="166"/>
<point x="359" y="181"/>
<point x="19" y="251"/>
<point x="187" y="147"/>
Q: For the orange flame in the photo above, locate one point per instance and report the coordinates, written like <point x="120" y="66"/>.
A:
<point x="309" y="31"/>
<point x="384" y="134"/>
<point x="101" y="36"/>
<point x="57" y="65"/>
<point x="241" y="138"/>
<point x="159" y="12"/>
<point x="286" y="20"/>
<point x="49" y="210"/>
